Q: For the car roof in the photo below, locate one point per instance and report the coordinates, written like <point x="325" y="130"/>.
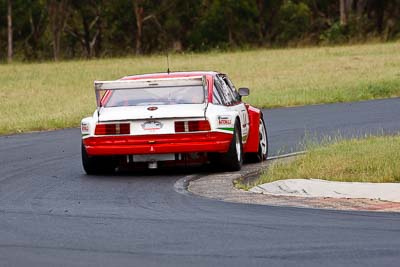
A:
<point x="175" y="74"/>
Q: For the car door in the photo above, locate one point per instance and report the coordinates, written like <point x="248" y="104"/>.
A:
<point x="236" y="104"/>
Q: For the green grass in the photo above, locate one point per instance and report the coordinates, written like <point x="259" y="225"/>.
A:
<point x="51" y="95"/>
<point x="374" y="159"/>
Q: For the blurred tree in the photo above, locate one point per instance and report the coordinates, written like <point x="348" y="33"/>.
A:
<point x="58" y="12"/>
<point x="151" y="11"/>
<point x="226" y="23"/>
<point x="294" y="22"/>
<point x="345" y="7"/>
<point x="9" y="32"/>
<point x="177" y="23"/>
<point x="261" y="10"/>
<point x="84" y="24"/>
<point x="139" y="10"/>
<point x="43" y="29"/>
<point x="34" y="20"/>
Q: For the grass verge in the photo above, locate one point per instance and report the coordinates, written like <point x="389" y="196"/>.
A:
<point x="51" y="95"/>
<point x="374" y="159"/>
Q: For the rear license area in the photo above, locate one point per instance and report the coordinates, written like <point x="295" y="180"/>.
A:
<point x="152" y="126"/>
<point x="151" y="157"/>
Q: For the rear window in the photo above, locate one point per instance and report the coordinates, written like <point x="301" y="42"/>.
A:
<point x="156" y="96"/>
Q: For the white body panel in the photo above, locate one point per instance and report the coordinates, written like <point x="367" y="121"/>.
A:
<point x="222" y="118"/>
<point x="142" y="112"/>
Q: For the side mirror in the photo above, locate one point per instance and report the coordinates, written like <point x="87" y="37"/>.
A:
<point x="244" y="91"/>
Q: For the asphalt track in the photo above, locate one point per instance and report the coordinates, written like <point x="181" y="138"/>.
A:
<point x="52" y="214"/>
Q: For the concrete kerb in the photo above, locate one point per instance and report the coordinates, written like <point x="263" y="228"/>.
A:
<point x="220" y="186"/>
<point x="182" y="185"/>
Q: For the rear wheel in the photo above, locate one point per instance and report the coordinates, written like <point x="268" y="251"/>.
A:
<point x="97" y="164"/>
<point x="262" y="152"/>
<point x="233" y="159"/>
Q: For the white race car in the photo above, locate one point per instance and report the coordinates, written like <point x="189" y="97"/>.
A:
<point x="179" y="116"/>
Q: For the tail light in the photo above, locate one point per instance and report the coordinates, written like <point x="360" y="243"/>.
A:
<point x="192" y="126"/>
<point x="112" y="129"/>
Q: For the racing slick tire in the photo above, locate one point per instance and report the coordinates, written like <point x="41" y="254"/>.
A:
<point x="95" y="165"/>
<point x="233" y="159"/>
<point x="262" y="152"/>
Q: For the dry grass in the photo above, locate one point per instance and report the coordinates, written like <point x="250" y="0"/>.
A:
<point x="374" y="159"/>
<point x="56" y="95"/>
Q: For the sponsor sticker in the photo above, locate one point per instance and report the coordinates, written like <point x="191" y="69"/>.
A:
<point x="84" y="128"/>
<point x="224" y="120"/>
<point x="151" y="125"/>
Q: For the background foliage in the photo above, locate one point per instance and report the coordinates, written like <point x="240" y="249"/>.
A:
<point x="64" y="29"/>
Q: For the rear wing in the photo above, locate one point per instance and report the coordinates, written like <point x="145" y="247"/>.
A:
<point x="102" y="88"/>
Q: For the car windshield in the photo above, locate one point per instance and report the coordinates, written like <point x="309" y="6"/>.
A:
<point x="155" y="96"/>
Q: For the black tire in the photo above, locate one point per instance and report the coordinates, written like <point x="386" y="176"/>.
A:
<point x="233" y="159"/>
<point x="262" y="152"/>
<point x="94" y="165"/>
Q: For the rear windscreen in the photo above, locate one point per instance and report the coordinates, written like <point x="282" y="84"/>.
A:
<point x="155" y="96"/>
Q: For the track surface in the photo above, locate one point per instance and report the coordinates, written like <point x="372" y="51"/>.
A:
<point x="51" y="214"/>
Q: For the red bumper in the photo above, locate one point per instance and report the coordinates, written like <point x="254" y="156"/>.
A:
<point x="158" y="144"/>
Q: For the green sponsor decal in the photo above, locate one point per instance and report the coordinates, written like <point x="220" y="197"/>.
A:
<point x="227" y="129"/>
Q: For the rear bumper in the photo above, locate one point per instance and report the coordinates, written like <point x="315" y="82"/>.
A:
<point x="158" y="144"/>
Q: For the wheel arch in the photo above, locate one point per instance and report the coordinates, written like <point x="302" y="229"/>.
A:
<point x="253" y="138"/>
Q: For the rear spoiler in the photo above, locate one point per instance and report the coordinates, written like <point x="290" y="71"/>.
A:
<point x="105" y="86"/>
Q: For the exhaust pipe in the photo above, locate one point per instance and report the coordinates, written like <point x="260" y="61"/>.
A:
<point x="152" y="165"/>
